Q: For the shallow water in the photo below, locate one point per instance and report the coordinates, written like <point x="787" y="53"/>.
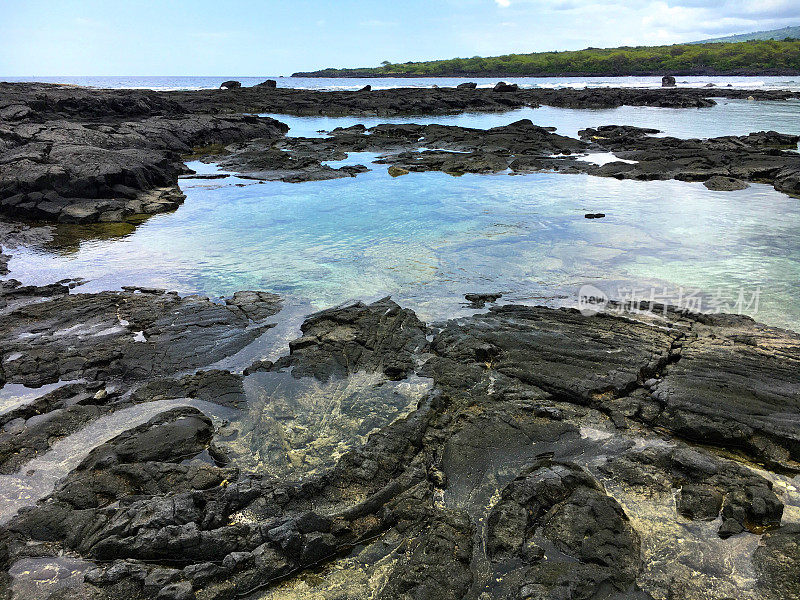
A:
<point x="38" y="477"/>
<point x="728" y="117"/>
<point x="428" y="238"/>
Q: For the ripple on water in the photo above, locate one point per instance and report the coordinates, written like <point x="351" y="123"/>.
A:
<point x="428" y="238"/>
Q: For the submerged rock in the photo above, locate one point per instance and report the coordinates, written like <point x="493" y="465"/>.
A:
<point x="396" y="171"/>
<point x="480" y="300"/>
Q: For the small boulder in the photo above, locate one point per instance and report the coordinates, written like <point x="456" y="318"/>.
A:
<point x="719" y="183"/>
<point x="269" y="83"/>
<point x="395" y="171"/>
<point x="480" y="300"/>
<point x="667" y="81"/>
<point x="366" y="88"/>
<point x="230" y="85"/>
<point x="502" y="86"/>
<point x="594" y="215"/>
<point x="469" y="85"/>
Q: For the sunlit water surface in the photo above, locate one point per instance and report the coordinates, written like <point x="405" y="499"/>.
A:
<point x="428" y="238"/>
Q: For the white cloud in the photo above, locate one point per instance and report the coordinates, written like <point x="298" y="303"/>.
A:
<point x="503" y="3"/>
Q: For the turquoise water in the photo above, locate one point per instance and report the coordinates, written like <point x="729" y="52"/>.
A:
<point x="428" y="238"/>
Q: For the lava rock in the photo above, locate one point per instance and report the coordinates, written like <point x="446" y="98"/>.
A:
<point x="502" y="86"/>
<point x="725" y="184"/>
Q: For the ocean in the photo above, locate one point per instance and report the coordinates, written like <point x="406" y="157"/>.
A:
<point x="326" y="83"/>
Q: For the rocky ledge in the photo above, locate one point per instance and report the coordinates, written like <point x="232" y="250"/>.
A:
<point x="724" y="163"/>
<point x="548" y="454"/>
<point x="77" y="155"/>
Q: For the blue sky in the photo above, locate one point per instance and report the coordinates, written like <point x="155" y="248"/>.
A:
<point x="248" y="37"/>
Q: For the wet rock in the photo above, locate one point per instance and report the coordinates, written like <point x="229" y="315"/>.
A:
<point x="170" y="436"/>
<point x="269" y="83"/>
<point x="467" y="85"/>
<point x="79" y="172"/>
<point x="725" y="184"/>
<point x="230" y="85"/>
<point x="91" y="336"/>
<point x="777" y="562"/>
<point x="724" y="162"/>
<point x="667" y="81"/>
<point x="421" y="493"/>
<point x="708" y="487"/>
<point x="594" y="215"/>
<point x="376" y="337"/>
<point x="567" y="507"/>
<point x="366" y="88"/>
<point x="395" y="171"/>
<point x="502" y="86"/>
<point x="723" y="391"/>
<point x="480" y="300"/>
<point x="518" y="342"/>
<point x="437" y="563"/>
<point x="700" y="502"/>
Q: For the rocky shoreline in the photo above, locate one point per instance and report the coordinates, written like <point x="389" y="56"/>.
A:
<point x="536" y="461"/>
<point x="77" y="155"/>
<point x="149" y="447"/>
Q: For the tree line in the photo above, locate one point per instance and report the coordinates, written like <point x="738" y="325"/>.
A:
<point x="761" y="57"/>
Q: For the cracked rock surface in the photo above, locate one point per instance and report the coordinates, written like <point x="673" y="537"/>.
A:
<point x="551" y="455"/>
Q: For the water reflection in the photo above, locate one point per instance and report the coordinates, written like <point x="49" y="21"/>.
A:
<point x="428" y="238"/>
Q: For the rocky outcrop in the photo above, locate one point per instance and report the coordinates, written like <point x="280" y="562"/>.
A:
<point x="561" y="504"/>
<point x="720" y="183"/>
<point x="667" y="81"/>
<point x="230" y="85"/>
<point x="133" y="334"/>
<point x="377" y="337"/>
<point x="532" y="467"/>
<point x="82" y="172"/>
<point x="502" y="86"/>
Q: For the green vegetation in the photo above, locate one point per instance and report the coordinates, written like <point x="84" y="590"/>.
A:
<point x="745" y="58"/>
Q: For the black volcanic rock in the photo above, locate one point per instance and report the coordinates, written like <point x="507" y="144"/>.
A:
<point x="79" y="172"/>
<point x="725" y="184"/>
<point x="550" y="435"/>
<point x="502" y="86"/>
<point x="377" y="337"/>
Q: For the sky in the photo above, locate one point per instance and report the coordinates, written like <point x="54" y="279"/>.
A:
<point x="271" y="37"/>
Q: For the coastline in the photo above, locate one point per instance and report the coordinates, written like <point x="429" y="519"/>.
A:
<point x="358" y="74"/>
